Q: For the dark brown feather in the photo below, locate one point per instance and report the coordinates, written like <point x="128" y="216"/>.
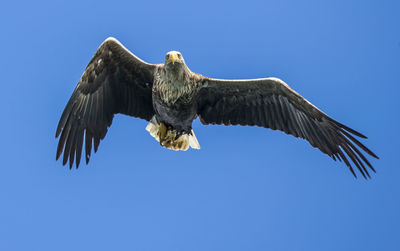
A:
<point x="115" y="81"/>
<point x="271" y="103"/>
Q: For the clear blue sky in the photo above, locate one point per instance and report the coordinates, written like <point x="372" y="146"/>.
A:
<point x="247" y="188"/>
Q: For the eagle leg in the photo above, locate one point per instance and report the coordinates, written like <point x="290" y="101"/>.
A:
<point x="162" y="132"/>
<point x="171" y="138"/>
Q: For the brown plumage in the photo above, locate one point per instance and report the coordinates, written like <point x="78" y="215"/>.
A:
<point x="170" y="96"/>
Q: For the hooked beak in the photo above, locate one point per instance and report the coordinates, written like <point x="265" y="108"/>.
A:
<point x="173" y="57"/>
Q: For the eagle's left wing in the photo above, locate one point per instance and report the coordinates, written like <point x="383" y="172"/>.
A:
<point x="271" y="103"/>
<point x="115" y="81"/>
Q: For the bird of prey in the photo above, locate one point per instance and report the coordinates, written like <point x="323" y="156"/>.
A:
<point x="170" y="96"/>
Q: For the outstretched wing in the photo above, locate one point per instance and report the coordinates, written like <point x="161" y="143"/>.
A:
<point x="271" y="103"/>
<point x="115" y="81"/>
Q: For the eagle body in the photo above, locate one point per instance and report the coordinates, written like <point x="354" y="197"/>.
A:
<point x="174" y="93"/>
<point x="170" y="96"/>
<point x="174" y="96"/>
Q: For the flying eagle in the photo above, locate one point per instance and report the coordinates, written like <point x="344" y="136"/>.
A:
<point x="170" y="97"/>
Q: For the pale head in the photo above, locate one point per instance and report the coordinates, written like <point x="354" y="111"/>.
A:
<point x="175" y="66"/>
<point x="174" y="57"/>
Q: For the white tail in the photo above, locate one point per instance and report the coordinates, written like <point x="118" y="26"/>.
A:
<point x="181" y="143"/>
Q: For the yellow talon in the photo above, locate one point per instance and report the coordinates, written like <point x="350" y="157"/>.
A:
<point x="162" y="132"/>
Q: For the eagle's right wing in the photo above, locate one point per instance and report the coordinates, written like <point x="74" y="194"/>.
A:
<point x="115" y="81"/>
<point x="271" y="103"/>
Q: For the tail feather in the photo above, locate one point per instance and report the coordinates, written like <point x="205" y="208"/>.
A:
<point x="193" y="143"/>
<point x="153" y="128"/>
<point x="170" y="141"/>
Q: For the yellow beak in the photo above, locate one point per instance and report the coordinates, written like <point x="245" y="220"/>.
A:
<point x="174" y="58"/>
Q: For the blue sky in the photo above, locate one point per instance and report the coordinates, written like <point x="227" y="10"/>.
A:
<point x="247" y="188"/>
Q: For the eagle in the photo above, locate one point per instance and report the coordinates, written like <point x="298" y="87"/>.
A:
<point x="170" y="97"/>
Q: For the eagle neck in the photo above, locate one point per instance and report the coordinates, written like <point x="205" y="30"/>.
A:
<point x="177" y="77"/>
<point x="173" y="84"/>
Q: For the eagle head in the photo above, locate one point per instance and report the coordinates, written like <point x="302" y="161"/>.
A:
<point x="175" y="66"/>
<point x="174" y="58"/>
